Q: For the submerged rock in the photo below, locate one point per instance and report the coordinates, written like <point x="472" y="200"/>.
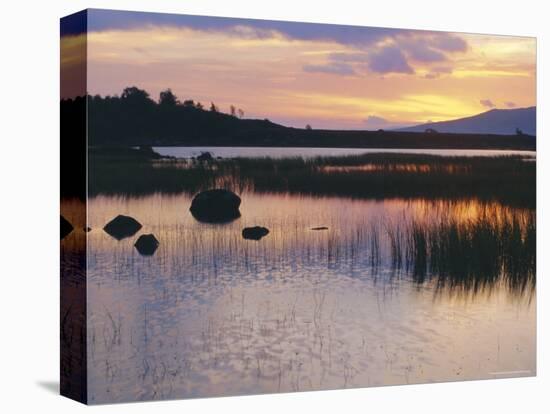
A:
<point x="146" y="244"/>
<point x="216" y="206"/>
<point x="319" y="228"/>
<point x="255" y="233"/>
<point x="122" y="226"/>
<point x="66" y="227"/>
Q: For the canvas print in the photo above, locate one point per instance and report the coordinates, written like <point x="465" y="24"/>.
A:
<point x="254" y="206"/>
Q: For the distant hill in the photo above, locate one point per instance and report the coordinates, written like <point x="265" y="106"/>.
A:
<point x="495" y="121"/>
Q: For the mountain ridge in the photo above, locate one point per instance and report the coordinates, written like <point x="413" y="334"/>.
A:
<point x="495" y="121"/>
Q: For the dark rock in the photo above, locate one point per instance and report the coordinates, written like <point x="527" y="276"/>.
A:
<point x="122" y="226"/>
<point x="146" y="244"/>
<point x="216" y="206"/>
<point x="205" y="156"/>
<point x="319" y="228"/>
<point x="87" y="229"/>
<point x="255" y="233"/>
<point x="66" y="227"/>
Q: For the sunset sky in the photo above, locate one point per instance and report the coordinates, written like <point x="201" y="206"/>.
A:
<point x="329" y="76"/>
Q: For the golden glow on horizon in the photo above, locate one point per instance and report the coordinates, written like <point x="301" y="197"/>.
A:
<point x="295" y="81"/>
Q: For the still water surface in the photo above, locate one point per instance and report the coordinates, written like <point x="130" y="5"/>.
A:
<point x="283" y="152"/>
<point x="213" y="314"/>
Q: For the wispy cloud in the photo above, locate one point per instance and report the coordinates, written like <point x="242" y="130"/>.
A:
<point x="334" y="68"/>
<point x="352" y="57"/>
<point x="437" y="71"/>
<point x="395" y="54"/>
<point x="487" y="103"/>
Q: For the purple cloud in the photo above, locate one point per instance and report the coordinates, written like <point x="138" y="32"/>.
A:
<point x="420" y="49"/>
<point x="355" y="36"/>
<point x="423" y="53"/>
<point x="334" y="68"/>
<point x="389" y="59"/>
<point x="449" y="43"/>
<point x="510" y="104"/>
<point x="487" y="103"/>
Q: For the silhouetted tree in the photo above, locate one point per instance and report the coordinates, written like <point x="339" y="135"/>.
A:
<point x="167" y="98"/>
<point x="189" y="103"/>
<point x="233" y="110"/>
<point x="135" y="95"/>
<point x="132" y="110"/>
<point x="308" y="127"/>
<point x="519" y="131"/>
<point x="213" y="108"/>
<point x="241" y="113"/>
<point x="199" y="106"/>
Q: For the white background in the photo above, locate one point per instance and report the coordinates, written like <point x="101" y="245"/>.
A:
<point x="29" y="206"/>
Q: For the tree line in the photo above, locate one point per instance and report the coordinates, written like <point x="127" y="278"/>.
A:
<point x="135" y="119"/>
<point x="134" y="116"/>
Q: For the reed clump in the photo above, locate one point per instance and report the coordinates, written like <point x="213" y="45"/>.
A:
<point x="474" y="254"/>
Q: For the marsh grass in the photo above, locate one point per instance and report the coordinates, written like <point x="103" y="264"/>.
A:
<point x="508" y="179"/>
<point x="476" y="254"/>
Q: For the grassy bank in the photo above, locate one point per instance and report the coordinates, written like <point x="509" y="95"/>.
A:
<point x="508" y="179"/>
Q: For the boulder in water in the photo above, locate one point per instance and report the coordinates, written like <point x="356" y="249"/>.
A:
<point x="146" y="244"/>
<point x="66" y="227"/>
<point x="255" y="233"/>
<point x="122" y="226"/>
<point x="216" y="206"/>
<point x="205" y="156"/>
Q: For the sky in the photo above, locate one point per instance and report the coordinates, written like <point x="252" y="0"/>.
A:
<point x="328" y="76"/>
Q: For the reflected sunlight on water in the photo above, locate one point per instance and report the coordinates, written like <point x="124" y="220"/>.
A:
<point x="213" y="314"/>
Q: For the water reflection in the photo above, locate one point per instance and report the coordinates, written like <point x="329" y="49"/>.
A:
<point x="213" y="314"/>
<point x="73" y="321"/>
